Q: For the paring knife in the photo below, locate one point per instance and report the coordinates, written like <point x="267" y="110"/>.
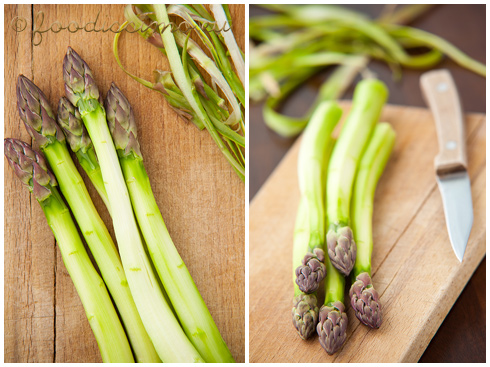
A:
<point x="451" y="163"/>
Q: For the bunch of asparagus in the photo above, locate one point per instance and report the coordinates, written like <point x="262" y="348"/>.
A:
<point x="298" y="41"/>
<point x="169" y="323"/>
<point x="333" y="231"/>
<point x="185" y="88"/>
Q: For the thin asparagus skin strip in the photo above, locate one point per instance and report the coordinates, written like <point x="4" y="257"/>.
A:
<point x="163" y="328"/>
<point x="183" y="82"/>
<point x="31" y="168"/>
<point x="312" y="161"/>
<point x="40" y="122"/>
<point x="369" y="98"/>
<point x="77" y="136"/>
<point x="191" y="310"/>
<point x="364" y="298"/>
<point x="332" y="89"/>
<point x="305" y="306"/>
<point x="230" y="41"/>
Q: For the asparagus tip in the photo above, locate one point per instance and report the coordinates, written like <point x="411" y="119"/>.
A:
<point x="311" y="272"/>
<point x="341" y="248"/>
<point x="122" y="125"/>
<point x="305" y="314"/>
<point x="332" y="327"/>
<point x="36" y="113"/>
<point x="365" y="301"/>
<point x="30" y="167"/>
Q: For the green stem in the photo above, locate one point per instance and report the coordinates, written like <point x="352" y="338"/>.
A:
<point x="192" y="312"/>
<point x="370" y="169"/>
<point x="102" y="316"/>
<point x="163" y="328"/>
<point x="369" y="98"/>
<point x="90" y="165"/>
<point x="334" y="284"/>
<point x="313" y="156"/>
<point x="101" y="246"/>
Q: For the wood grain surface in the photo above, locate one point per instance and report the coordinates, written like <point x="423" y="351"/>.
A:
<point x="200" y="196"/>
<point x="414" y="267"/>
<point x="462" y="336"/>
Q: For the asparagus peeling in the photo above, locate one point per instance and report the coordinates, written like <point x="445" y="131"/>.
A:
<point x="40" y="122"/>
<point x="369" y="98"/>
<point x="364" y="298"/>
<point x="312" y="161"/>
<point x="167" y="336"/>
<point x="31" y="168"/>
<point x="191" y="310"/>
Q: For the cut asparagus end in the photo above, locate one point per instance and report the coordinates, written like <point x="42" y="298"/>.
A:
<point x="121" y="121"/>
<point x="71" y="122"/>
<point x="365" y="301"/>
<point x="341" y="248"/>
<point x="332" y="327"/>
<point x="80" y="87"/>
<point x="35" y="111"/>
<point x="311" y="272"/>
<point x="305" y="314"/>
<point x="30" y="167"/>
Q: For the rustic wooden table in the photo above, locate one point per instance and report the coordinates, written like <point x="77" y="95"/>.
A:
<point x="200" y="196"/>
<point x="461" y="337"/>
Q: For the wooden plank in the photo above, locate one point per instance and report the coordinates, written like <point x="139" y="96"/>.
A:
<point x="201" y="198"/>
<point x="29" y="246"/>
<point x="410" y="268"/>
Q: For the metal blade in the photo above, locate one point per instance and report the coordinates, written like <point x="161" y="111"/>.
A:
<point x="458" y="209"/>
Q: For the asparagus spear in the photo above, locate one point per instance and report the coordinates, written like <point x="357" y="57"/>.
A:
<point x="77" y="136"/>
<point x="305" y="306"/>
<point x="191" y="310"/>
<point x="333" y="322"/>
<point x="369" y="97"/>
<point x="313" y="154"/>
<point x="163" y="328"/>
<point x="40" y="122"/>
<point x="364" y="298"/>
<point x="31" y="168"/>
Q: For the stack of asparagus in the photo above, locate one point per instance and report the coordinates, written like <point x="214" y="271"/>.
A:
<point x="333" y="231"/>
<point x="147" y="322"/>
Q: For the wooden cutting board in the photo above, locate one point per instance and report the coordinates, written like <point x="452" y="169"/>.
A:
<point x="414" y="268"/>
<point x="199" y="194"/>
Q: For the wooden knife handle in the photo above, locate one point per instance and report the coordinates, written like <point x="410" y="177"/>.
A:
<point x="441" y="96"/>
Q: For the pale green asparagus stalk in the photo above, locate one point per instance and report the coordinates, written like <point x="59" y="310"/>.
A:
<point x="191" y="310"/>
<point x="369" y="98"/>
<point x="31" y="168"/>
<point x="364" y="298"/>
<point x="313" y="156"/>
<point x="40" y="122"/>
<point x="167" y="336"/>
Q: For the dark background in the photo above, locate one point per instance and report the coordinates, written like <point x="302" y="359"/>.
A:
<point x="461" y="337"/>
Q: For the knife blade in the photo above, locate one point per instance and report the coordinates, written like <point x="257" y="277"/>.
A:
<point x="441" y="95"/>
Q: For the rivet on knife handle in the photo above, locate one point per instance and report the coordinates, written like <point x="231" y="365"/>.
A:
<point x="442" y="97"/>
